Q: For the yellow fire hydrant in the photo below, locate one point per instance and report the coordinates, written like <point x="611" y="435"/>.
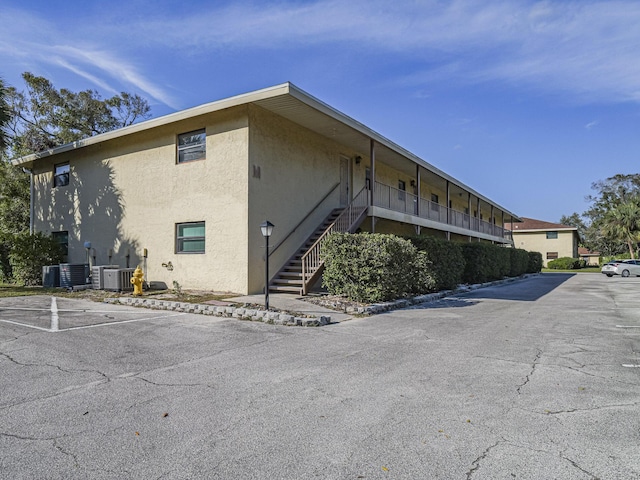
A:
<point x="136" y="281"/>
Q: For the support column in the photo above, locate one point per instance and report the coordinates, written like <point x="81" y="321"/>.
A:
<point x="418" y="189"/>
<point x="372" y="156"/>
<point x="448" y="205"/>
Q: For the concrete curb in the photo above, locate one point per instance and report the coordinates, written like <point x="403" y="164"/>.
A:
<point x="241" y="313"/>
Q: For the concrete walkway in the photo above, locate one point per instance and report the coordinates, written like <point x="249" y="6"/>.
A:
<point x="292" y="303"/>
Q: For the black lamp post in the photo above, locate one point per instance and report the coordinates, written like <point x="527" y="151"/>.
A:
<point x="266" y="228"/>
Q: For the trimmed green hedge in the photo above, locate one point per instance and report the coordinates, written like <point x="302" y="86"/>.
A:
<point x="566" y="263"/>
<point x="378" y="267"/>
<point x="535" y="262"/>
<point x="374" y="267"/>
<point x="445" y="258"/>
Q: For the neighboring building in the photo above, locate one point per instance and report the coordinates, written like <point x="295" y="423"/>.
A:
<point x="592" y="258"/>
<point x="184" y="195"/>
<point x="552" y="240"/>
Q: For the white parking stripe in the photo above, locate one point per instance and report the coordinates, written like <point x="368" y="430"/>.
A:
<point x="54" y="315"/>
<point x="104" y="324"/>
<point x="628" y="326"/>
<point x="25" y="325"/>
<point x="122" y="321"/>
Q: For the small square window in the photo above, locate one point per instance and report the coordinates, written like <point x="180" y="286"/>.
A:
<point x="192" y="146"/>
<point x="61" y="175"/>
<point x="552" y="235"/>
<point x="434" y="198"/>
<point x="190" y="237"/>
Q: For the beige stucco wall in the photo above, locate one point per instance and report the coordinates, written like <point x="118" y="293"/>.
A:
<point x="128" y="194"/>
<point x="297" y="169"/>
<point x="566" y="244"/>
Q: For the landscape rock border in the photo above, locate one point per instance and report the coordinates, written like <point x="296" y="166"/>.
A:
<point x="241" y="313"/>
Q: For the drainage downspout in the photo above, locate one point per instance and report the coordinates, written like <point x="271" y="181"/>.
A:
<point x="31" y="204"/>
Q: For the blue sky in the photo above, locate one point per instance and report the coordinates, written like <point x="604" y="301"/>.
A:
<point x="527" y="102"/>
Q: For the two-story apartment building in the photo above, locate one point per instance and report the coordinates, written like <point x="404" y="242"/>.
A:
<point x="188" y="192"/>
<point x="552" y="240"/>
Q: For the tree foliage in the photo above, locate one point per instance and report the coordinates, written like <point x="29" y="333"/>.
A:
<point x="615" y="214"/>
<point x="43" y="117"/>
<point x="576" y="220"/>
<point x="36" y="119"/>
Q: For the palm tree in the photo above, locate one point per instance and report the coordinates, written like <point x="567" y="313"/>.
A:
<point x="623" y="223"/>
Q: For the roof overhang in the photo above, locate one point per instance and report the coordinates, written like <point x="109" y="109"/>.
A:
<point x="288" y="101"/>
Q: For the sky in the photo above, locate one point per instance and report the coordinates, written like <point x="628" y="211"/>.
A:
<point x="527" y="102"/>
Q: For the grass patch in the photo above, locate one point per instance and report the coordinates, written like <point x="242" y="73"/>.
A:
<point x="580" y="270"/>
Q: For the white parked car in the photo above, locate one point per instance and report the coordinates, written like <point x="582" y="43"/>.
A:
<point x="625" y="268"/>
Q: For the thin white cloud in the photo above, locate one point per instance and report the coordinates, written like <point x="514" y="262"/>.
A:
<point x="585" y="51"/>
<point x="591" y="125"/>
<point x="47" y="46"/>
<point x="116" y="68"/>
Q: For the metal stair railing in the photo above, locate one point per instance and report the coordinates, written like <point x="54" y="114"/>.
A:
<point x="350" y="217"/>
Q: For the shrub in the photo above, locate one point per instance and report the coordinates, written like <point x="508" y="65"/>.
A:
<point x="29" y="253"/>
<point x="484" y="262"/>
<point x="374" y="267"/>
<point x="566" y="263"/>
<point x="519" y="262"/>
<point x="535" y="262"/>
<point x="446" y="262"/>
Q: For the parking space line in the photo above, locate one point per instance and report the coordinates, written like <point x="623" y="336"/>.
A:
<point x="26" y="325"/>
<point x="54" y="315"/>
<point x="630" y="365"/>
<point x="122" y="321"/>
<point x="628" y="326"/>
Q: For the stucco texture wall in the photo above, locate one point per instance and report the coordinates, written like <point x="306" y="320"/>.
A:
<point x="565" y="245"/>
<point x="297" y="169"/>
<point x="128" y="194"/>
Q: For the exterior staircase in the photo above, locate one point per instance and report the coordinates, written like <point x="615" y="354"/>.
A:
<point x="289" y="278"/>
<point x="303" y="270"/>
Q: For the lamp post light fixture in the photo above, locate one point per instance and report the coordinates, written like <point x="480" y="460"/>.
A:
<point x="266" y="228"/>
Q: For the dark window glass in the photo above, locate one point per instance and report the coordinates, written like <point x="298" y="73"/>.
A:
<point x="192" y="146"/>
<point x="61" y="175"/>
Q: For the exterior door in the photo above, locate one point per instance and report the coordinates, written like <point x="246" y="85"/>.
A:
<point x="344" y="181"/>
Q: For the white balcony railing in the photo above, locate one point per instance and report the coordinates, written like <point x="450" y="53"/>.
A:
<point x="398" y="200"/>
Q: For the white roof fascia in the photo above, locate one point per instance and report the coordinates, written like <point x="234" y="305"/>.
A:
<point x="286" y="88"/>
<point x="160" y="121"/>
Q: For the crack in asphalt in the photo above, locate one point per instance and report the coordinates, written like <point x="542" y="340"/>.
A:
<point x="158" y="384"/>
<point x="476" y="463"/>
<point x="58" y="367"/>
<point x="533" y="368"/>
<point x="64" y="452"/>
<point x="593" y="409"/>
<point x="594" y="477"/>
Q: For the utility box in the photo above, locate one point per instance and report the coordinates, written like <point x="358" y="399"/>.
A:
<point x="51" y="276"/>
<point x="72" y="274"/>
<point x="118" y="280"/>
<point x="97" y="275"/>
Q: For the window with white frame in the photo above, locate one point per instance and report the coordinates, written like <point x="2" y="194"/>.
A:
<point x="61" y="175"/>
<point x="190" y="237"/>
<point x="552" y="235"/>
<point x="192" y="146"/>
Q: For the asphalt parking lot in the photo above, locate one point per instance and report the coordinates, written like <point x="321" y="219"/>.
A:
<point x="534" y="379"/>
